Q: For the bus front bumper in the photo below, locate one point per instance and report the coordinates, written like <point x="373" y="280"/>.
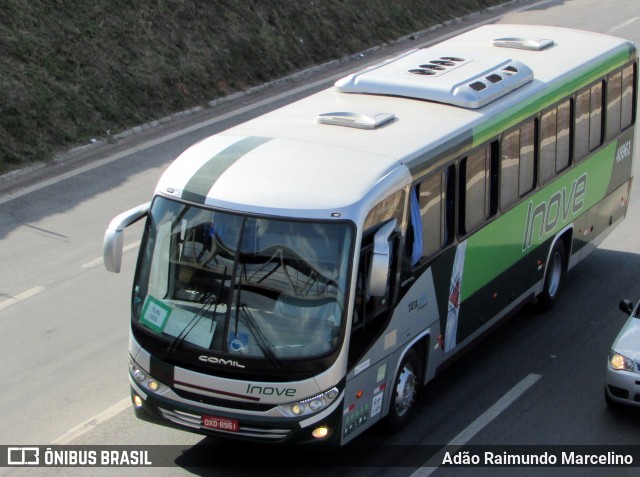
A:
<point x="233" y="425"/>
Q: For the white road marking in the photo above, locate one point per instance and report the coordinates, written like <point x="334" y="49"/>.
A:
<point x="21" y="296"/>
<point x="622" y="25"/>
<point x="480" y="423"/>
<point x="98" y="261"/>
<point x="93" y="422"/>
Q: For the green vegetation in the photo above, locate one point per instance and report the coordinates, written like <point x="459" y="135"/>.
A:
<point x="76" y="69"/>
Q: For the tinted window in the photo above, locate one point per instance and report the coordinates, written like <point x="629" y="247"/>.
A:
<point x="431" y="199"/>
<point x="628" y="80"/>
<point x="588" y="126"/>
<point x="614" y="94"/>
<point x="509" y="160"/>
<point x="517" y="164"/>
<point x="555" y="141"/>
<point x="476" y="173"/>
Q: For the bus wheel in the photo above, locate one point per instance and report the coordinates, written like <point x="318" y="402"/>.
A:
<point x="554" y="277"/>
<point x="405" y="392"/>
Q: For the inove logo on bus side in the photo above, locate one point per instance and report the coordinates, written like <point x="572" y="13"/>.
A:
<point x="560" y="206"/>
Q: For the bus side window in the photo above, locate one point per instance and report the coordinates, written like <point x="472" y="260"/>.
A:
<point x="477" y="188"/>
<point x="620" y="101"/>
<point x="368" y="307"/>
<point x="614" y="96"/>
<point x="548" y="131"/>
<point x="509" y="168"/>
<point x="588" y="121"/>
<point x="555" y="150"/>
<point x="432" y="213"/>
<point x="517" y="164"/>
<point x="563" y="141"/>
<point x="628" y="96"/>
<point x="595" y="121"/>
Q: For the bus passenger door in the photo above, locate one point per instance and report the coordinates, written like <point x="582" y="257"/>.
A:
<point x="374" y="289"/>
<point x="368" y="365"/>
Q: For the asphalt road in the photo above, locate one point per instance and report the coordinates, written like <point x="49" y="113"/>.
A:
<point x="537" y="380"/>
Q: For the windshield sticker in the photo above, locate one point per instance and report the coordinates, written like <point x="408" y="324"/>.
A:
<point x="155" y="314"/>
<point x="238" y="342"/>
<point x="362" y="366"/>
<point x="390" y="339"/>
<point x="382" y="371"/>
<point x="376" y="404"/>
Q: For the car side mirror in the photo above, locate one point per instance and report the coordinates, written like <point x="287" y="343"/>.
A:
<point x="626" y="306"/>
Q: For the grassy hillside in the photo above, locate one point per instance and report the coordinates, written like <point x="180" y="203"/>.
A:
<point x="76" y="69"/>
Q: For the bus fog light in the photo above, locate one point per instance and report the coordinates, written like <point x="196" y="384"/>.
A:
<point x="137" y="401"/>
<point x="320" y="432"/>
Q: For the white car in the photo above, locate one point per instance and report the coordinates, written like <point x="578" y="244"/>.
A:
<point x="623" y="366"/>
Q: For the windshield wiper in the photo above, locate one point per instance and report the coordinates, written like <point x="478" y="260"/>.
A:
<point x="209" y="299"/>
<point x="261" y="339"/>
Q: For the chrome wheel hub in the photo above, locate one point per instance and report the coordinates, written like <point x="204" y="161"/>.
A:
<point x="405" y="391"/>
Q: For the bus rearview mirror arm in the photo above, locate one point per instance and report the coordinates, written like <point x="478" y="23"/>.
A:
<point x="114" y="236"/>
<point x="381" y="259"/>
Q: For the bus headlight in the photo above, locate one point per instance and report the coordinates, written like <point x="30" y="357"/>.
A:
<point x="146" y="381"/>
<point x="311" y="405"/>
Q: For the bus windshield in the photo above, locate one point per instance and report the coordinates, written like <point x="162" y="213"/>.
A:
<point x="242" y="286"/>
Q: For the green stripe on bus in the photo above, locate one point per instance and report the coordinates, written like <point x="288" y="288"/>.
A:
<point x="501" y="243"/>
<point x="202" y="181"/>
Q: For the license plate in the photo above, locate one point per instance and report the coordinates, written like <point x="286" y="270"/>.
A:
<point x="220" y="423"/>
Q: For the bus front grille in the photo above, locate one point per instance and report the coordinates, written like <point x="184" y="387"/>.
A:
<point x="194" y="421"/>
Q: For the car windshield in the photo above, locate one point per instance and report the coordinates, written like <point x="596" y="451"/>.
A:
<point x="239" y="285"/>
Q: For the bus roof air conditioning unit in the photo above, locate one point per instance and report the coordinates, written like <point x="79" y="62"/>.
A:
<point x="442" y="77"/>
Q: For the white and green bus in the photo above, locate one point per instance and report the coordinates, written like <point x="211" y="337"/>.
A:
<point x="303" y="275"/>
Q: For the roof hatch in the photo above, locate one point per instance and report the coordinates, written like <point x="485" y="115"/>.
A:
<point x="355" y="120"/>
<point x="523" y="43"/>
<point x="445" y="77"/>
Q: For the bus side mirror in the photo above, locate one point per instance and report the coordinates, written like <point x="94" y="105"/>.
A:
<point x="114" y="236"/>
<point x="381" y="260"/>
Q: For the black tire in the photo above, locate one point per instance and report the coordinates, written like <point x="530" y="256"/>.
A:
<point x="554" y="277"/>
<point x="404" y="392"/>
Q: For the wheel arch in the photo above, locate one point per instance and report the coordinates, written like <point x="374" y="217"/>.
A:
<point x="566" y="236"/>
<point x="420" y="344"/>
